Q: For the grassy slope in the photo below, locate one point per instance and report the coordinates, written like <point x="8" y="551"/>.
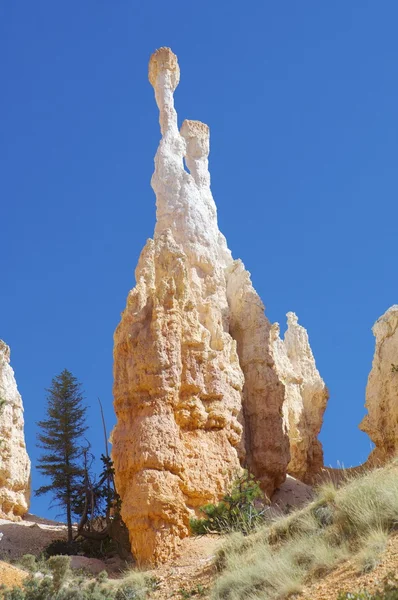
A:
<point x="352" y="522"/>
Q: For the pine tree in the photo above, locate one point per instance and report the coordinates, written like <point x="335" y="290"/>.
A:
<point x="61" y="440"/>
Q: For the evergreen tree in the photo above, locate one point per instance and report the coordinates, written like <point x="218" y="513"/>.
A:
<point x="61" y="440"/>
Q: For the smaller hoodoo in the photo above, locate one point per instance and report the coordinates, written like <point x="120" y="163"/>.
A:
<point x="381" y="422"/>
<point x="306" y="397"/>
<point x="14" y="459"/>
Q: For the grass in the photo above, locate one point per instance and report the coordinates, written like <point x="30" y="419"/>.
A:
<point x="57" y="581"/>
<point x="351" y="521"/>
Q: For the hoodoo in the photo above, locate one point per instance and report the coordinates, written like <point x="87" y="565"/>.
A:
<point x="197" y="392"/>
<point x="381" y="422"/>
<point x="306" y="397"/>
<point x="14" y="460"/>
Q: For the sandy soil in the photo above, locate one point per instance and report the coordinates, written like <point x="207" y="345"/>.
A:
<point x="28" y="536"/>
<point x="10" y="575"/>
<point x="347" y="579"/>
<point x="193" y="568"/>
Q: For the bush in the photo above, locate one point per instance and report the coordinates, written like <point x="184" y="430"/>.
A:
<point x="236" y="511"/>
<point x="28" y="562"/>
<point x="57" y="547"/>
<point x="63" y="585"/>
<point x="60" y="569"/>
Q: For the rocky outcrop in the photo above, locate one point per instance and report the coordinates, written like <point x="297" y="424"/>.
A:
<point x="177" y="379"/>
<point x="305" y="401"/>
<point x="14" y="460"/>
<point x="381" y="422"/>
<point x="197" y="392"/>
<point x="267" y="441"/>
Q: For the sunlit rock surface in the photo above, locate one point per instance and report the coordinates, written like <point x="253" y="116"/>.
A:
<point x="197" y="392"/>
<point x="14" y="460"/>
<point x="305" y="400"/>
<point x="381" y="422"/>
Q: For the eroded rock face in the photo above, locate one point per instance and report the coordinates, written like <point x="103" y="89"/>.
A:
<point x="14" y="460"/>
<point x="381" y="422"/>
<point x="305" y="400"/>
<point x="197" y="392"/>
<point x="267" y="442"/>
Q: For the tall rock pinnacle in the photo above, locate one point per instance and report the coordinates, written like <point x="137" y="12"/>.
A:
<point x="381" y="422"/>
<point x="14" y="460"/>
<point x="197" y="392"/>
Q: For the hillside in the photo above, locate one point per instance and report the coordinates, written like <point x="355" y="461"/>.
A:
<point x="345" y="540"/>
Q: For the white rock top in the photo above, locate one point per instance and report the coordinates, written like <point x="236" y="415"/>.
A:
<point x="184" y="201"/>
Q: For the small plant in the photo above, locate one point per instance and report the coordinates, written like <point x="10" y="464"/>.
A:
<point x="236" y="511"/>
<point x="394" y="368"/>
<point x="198" y="590"/>
<point x="28" y="562"/>
<point x="60" y="568"/>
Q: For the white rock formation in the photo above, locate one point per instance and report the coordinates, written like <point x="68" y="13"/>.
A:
<point x="305" y="401"/>
<point x="381" y="422"/>
<point x="14" y="460"/>
<point x="196" y="390"/>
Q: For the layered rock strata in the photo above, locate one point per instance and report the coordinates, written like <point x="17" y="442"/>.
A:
<point x="14" y="460"/>
<point x="381" y="422"/>
<point x="197" y="393"/>
<point x="306" y="397"/>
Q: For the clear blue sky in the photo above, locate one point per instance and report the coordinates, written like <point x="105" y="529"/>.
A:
<point x="302" y="102"/>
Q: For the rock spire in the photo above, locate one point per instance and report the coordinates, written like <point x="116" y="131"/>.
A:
<point x="197" y="391"/>
<point x="14" y="460"/>
<point x="305" y="401"/>
<point x="381" y="422"/>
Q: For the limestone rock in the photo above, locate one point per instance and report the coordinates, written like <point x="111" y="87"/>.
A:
<point x="381" y="422"/>
<point x="267" y="442"/>
<point x="305" y="400"/>
<point x="197" y="391"/>
<point x="14" y="460"/>
<point x="177" y="379"/>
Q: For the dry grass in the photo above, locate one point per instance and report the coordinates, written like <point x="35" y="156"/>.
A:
<point x="352" y="520"/>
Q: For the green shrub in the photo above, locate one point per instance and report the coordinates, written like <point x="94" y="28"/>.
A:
<point x="61" y="546"/>
<point x="60" y="569"/>
<point x="236" y="511"/>
<point x="28" y="562"/>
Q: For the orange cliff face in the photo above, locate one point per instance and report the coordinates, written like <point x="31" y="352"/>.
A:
<point x="197" y="391"/>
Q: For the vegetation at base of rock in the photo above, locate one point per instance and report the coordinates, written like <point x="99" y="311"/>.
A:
<point x="61" y="439"/>
<point x="388" y="591"/>
<point x="352" y="521"/>
<point x="54" y="580"/>
<point x="67" y="463"/>
<point x="237" y="511"/>
<point x="198" y="590"/>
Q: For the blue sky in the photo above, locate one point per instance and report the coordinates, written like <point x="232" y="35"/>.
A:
<point x="301" y="99"/>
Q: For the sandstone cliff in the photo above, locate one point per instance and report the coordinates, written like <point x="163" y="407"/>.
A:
<point x="381" y="422"/>
<point x="197" y="392"/>
<point x="306" y="398"/>
<point x="14" y="460"/>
